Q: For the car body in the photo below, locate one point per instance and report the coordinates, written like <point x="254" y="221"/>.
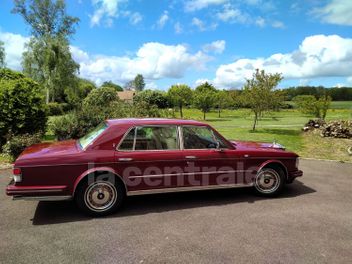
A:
<point x="124" y="157"/>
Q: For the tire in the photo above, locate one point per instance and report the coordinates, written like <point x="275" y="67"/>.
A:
<point x="100" y="196"/>
<point x="269" y="182"/>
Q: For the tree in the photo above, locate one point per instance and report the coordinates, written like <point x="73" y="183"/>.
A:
<point x="309" y="104"/>
<point x="2" y="55"/>
<point x="130" y="86"/>
<point x="204" y="97"/>
<point x="100" y="97"/>
<point x="151" y="97"/>
<point x="259" y="94"/>
<point x="223" y="100"/>
<point x="117" y="87"/>
<point x="22" y="108"/>
<point x="180" y="95"/>
<point x="139" y="83"/>
<point x="47" y="58"/>
<point x="74" y="97"/>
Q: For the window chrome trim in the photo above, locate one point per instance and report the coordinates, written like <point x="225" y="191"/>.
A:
<point x="135" y="139"/>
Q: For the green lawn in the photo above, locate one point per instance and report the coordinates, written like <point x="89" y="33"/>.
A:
<point x="284" y="127"/>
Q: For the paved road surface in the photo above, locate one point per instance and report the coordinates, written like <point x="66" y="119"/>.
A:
<point x="310" y="223"/>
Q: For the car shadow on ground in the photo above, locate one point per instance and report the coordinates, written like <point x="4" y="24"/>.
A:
<point x="61" y="212"/>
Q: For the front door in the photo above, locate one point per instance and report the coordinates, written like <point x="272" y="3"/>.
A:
<point x="208" y="160"/>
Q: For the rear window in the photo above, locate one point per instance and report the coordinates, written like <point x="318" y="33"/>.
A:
<point x="92" y="135"/>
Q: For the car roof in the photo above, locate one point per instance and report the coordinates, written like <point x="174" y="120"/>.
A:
<point x="153" y="121"/>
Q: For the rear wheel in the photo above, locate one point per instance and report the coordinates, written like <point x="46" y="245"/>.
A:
<point x="100" y="196"/>
<point x="269" y="182"/>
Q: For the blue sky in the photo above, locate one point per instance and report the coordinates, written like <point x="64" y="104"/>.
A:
<point x="192" y="41"/>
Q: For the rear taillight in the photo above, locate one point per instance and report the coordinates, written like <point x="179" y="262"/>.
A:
<point x="17" y="174"/>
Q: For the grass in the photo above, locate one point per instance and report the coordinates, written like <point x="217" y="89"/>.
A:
<point x="284" y="127"/>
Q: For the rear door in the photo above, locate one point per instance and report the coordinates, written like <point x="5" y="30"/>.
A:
<point x="149" y="157"/>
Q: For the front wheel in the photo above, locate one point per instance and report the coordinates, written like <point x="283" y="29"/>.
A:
<point x="269" y="182"/>
<point x="100" y="197"/>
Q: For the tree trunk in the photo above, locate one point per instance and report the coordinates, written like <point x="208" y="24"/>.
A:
<point x="219" y="111"/>
<point x="255" y="120"/>
<point x="203" y="115"/>
<point x="181" y="113"/>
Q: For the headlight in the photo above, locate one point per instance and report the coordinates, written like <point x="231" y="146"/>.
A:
<point x="17" y="174"/>
<point x="297" y="162"/>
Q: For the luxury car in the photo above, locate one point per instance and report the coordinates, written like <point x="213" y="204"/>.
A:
<point x="124" y="157"/>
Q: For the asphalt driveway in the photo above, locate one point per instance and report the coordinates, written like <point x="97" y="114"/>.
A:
<point x="310" y="223"/>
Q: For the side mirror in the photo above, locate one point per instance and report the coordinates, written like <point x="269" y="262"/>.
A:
<point x="218" y="148"/>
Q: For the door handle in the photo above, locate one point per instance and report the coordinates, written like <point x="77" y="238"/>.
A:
<point x="125" y="159"/>
<point x="190" y="157"/>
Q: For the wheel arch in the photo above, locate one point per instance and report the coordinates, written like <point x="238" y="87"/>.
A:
<point x="85" y="174"/>
<point x="274" y="164"/>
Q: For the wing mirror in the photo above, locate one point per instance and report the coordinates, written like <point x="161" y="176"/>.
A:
<point x="218" y="147"/>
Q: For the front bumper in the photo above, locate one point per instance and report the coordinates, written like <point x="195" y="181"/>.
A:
<point x="42" y="193"/>
<point x="293" y="175"/>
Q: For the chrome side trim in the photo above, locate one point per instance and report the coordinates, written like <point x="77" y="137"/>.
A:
<point x="43" y="198"/>
<point x="187" y="189"/>
<point x="188" y="173"/>
<point x="37" y="191"/>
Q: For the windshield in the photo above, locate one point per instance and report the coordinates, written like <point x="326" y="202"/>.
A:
<point x="92" y="135"/>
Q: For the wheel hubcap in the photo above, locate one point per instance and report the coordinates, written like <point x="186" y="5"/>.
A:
<point x="100" y="196"/>
<point x="267" y="181"/>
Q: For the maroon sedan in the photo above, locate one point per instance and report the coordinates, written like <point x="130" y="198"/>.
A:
<point x="126" y="157"/>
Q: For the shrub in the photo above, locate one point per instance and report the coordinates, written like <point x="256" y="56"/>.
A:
<point x="17" y="144"/>
<point x="22" y="107"/>
<point x="153" y="98"/>
<point x="100" y="97"/>
<point x="54" y="109"/>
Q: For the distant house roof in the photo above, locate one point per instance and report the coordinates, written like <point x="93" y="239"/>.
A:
<point x="126" y="95"/>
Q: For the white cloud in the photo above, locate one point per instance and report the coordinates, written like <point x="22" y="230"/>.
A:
<point x="337" y="12"/>
<point x="14" y="45"/>
<point x="107" y="9"/>
<point x="260" y="22"/>
<point x="278" y="24"/>
<point x="194" y="5"/>
<point x="135" y="18"/>
<point x="232" y="15"/>
<point x="178" y="28"/>
<point x="317" y="56"/>
<point x="163" y="19"/>
<point x="216" y="47"/>
<point x="202" y="25"/>
<point x="154" y="60"/>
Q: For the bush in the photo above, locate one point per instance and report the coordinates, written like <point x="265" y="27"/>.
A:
<point x="100" y="97"/>
<point x="17" y="144"/>
<point x="22" y="107"/>
<point x="153" y="98"/>
<point x="54" y="109"/>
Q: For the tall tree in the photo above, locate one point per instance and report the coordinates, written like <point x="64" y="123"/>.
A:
<point x="2" y="55"/>
<point x="204" y="97"/>
<point x="180" y="95"/>
<point x="223" y="100"/>
<point x="259" y="93"/>
<point x="117" y="87"/>
<point x="139" y="83"/>
<point x="47" y="58"/>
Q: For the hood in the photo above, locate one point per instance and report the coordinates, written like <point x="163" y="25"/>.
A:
<point x="256" y="145"/>
<point x="43" y="150"/>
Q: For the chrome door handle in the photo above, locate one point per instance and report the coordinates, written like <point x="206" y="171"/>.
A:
<point x="125" y="159"/>
<point x="190" y="157"/>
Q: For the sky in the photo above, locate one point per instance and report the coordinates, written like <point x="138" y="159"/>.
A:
<point x="192" y="41"/>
